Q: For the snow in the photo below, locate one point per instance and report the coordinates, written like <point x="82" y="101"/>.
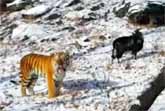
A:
<point x="157" y="1"/>
<point x="31" y="30"/>
<point x="76" y="14"/>
<point x="137" y="8"/>
<point x="15" y="2"/>
<point x="92" y="82"/>
<point x="38" y="10"/>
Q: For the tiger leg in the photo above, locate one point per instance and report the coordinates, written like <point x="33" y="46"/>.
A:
<point x="23" y="89"/>
<point x="31" y="87"/>
<point x="58" y="84"/>
<point x="51" y="85"/>
<point x="59" y="89"/>
<point x="61" y="85"/>
<point x="31" y="91"/>
<point x="24" y="84"/>
<point x="33" y="80"/>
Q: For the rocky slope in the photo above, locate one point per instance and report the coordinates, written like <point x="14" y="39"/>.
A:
<point x="86" y="28"/>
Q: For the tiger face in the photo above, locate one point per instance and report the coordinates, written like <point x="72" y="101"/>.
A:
<point x="63" y="63"/>
<point x="63" y="59"/>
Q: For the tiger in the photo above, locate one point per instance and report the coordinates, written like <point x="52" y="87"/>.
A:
<point x="52" y="67"/>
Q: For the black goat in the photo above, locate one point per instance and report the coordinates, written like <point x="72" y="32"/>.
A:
<point x="133" y="43"/>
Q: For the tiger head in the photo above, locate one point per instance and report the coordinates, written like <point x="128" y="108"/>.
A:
<point x="62" y="59"/>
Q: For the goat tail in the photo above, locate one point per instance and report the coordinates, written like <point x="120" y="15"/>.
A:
<point x="114" y="53"/>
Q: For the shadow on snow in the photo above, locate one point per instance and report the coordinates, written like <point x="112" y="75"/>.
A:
<point x="146" y="54"/>
<point x="84" y="84"/>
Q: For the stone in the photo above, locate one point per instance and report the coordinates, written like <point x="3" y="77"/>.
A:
<point x="74" y="2"/>
<point x="152" y="14"/>
<point x="35" y="12"/>
<point x="122" y="10"/>
<point x="97" y="7"/>
<point x="18" y="5"/>
<point x="3" y="6"/>
<point x="53" y="16"/>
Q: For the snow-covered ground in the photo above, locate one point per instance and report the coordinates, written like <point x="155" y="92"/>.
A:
<point x="92" y="82"/>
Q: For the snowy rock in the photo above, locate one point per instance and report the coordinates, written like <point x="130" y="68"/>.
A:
<point x="74" y="2"/>
<point x="92" y="82"/>
<point x="9" y="1"/>
<point x="121" y="11"/>
<point x="149" y="13"/>
<point x="35" y="11"/>
<point x="4" y="101"/>
<point x="18" y="5"/>
<point x="2" y="97"/>
<point x="97" y="7"/>
<point x="53" y="14"/>
<point x="79" y="8"/>
<point x="91" y="16"/>
<point x="33" y="31"/>
<point x="15" y="16"/>
<point x="77" y="14"/>
<point x="2" y="5"/>
<point x="69" y="28"/>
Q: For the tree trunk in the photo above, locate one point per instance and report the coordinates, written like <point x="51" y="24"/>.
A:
<point x="148" y="97"/>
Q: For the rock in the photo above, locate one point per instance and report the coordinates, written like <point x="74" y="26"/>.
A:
<point x="106" y="15"/>
<point x="91" y="16"/>
<point x="31" y="31"/>
<point x="87" y="40"/>
<point x="53" y="16"/>
<point x="18" y="5"/>
<point x="54" y="39"/>
<point x="135" y="108"/>
<point x="156" y="13"/>
<point x="59" y="22"/>
<point x="32" y="43"/>
<point x="74" y="15"/>
<point x="74" y="2"/>
<point x="25" y="38"/>
<point x="44" y="40"/>
<point x="6" y="27"/>
<point x="70" y="28"/>
<point x="122" y="10"/>
<point x="3" y="6"/>
<point x="140" y="18"/>
<point x="9" y="1"/>
<point x="1" y="39"/>
<point x="35" y="12"/>
<point x="79" y="8"/>
<point x="149" y="95"/>
<point x="151" y="14"/>
<point x="97" y="7"/>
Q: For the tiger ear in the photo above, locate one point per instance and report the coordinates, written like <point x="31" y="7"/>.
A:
<point x="54" y="55"/>
<point x="67" y="53"/>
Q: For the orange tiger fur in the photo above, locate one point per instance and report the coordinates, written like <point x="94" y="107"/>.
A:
<point x="34" y="64"/>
